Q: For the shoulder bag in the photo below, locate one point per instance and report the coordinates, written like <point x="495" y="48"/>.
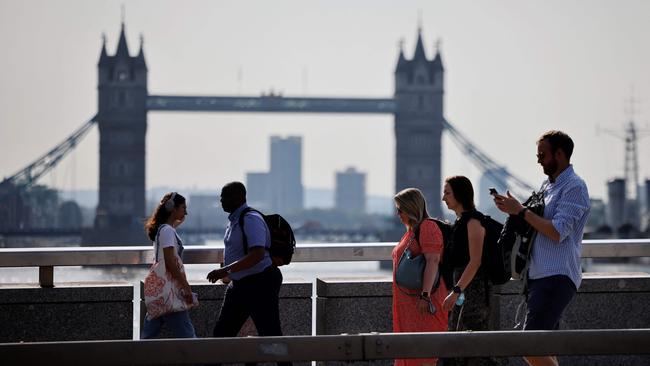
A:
<point x="162" y="295"/>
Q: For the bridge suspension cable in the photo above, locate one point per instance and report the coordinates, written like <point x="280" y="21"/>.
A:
<point x="30" y="174"/>
<point x="486" y="164"/>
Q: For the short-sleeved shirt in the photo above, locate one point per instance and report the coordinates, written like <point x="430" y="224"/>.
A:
<point x="168" y="238"/>
<point x="567" y="206"/>
<point x="257" y="234"/>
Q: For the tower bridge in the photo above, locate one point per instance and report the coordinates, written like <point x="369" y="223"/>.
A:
<point x="124" y="102"/>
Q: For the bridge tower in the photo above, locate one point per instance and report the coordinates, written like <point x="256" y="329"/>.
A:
<point x="419" y="120"/>
<point x="122" y="122"/>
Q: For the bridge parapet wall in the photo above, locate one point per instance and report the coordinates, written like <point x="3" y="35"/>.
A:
<point x="68" y="312"/>
<point x="604" y="301"/>
<point x="84" y="311"/>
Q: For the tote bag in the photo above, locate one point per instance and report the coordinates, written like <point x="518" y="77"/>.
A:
<point x="162" y="295"/>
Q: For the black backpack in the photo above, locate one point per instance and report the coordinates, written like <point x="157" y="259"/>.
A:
<point x="446" y="271"/>
<point x="283" y="243"/>
<point x="495" y="259"/>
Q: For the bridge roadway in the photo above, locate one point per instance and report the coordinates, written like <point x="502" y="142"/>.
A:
<point x="271" y="103"/>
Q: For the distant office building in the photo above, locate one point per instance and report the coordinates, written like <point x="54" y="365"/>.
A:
<point x="351" y="191"/>
<point x="485" y="202"/>
<point x="280" y="190"/>
<point x="647" y="195"/>
<point x="597" y="214"/>
<point x="286" y="174"/>
<point x="647" y="205"/>
<point x="204" y="212"/>
<point x="258" y="190"/>
<point x="616" y="203"/>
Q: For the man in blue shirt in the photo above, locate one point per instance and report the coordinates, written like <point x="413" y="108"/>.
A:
<point x="255" y="282"/>
<point x="555" y="272"/>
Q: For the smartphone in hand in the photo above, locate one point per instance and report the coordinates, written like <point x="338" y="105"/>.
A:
<point x="493" y="191"/>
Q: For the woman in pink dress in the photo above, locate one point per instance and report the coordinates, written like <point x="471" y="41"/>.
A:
<point x="418" y="310"/>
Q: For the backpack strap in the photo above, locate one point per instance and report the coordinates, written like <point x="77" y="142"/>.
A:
<point x="482" y="218"/>
<point x="241" y="226"/>
<point x="416" y="235"/>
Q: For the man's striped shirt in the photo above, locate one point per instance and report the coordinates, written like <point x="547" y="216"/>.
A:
<point x="567" y="206"/>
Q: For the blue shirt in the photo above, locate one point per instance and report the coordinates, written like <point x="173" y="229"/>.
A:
<point x="567" y="206"/>
<point x="258" y="236"/>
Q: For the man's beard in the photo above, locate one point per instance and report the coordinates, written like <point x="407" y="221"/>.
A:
<point x="551" y="168"/>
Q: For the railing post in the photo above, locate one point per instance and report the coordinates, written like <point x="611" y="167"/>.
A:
<point x="46" y="276"/>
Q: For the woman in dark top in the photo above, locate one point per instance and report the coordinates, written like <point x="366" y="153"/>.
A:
<point x="466" y="249"/>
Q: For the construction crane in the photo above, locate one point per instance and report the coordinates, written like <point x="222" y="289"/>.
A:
<point x="485" y="163"/>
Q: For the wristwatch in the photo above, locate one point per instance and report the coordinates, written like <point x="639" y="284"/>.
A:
<point x="522" y="213"/>
<point x="228" y="270"/>
<point x="457" y="290"/>
<point x="424" y="295"/>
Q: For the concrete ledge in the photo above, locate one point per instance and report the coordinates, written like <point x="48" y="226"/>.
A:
<point x="595" y="282"/>
<point x="353" y="305"/>
<point x="332" y="287"/>
<point x="68" y="312"/>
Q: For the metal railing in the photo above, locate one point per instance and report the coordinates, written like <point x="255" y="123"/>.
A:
<point x="358" y="347"/>
<point x="48" y="258"/>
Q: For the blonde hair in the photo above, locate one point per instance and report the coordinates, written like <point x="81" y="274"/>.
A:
<point x="412" y="203"/>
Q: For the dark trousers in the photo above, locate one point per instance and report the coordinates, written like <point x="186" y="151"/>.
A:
<point x="256" y="296"/>
<point x="547" y="298"/>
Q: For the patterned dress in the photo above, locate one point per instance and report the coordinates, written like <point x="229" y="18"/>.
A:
<point x="406" y="318"/>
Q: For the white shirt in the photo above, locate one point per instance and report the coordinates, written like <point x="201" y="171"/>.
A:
<point x="167" y="238"/>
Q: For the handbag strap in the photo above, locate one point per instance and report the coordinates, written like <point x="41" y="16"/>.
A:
<point x="416" y="232"/>
<point x="400" y="260"/>
<point x="156" y="242"/>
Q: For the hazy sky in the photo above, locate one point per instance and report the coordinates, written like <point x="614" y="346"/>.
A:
<point x="513" y="70"/>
